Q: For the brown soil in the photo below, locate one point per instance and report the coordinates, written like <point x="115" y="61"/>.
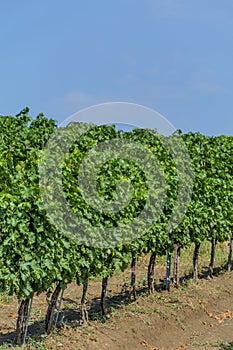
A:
<point x="195" y="316"/>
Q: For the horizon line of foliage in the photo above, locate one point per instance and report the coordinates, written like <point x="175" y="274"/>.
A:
<point x="34" y="255"/>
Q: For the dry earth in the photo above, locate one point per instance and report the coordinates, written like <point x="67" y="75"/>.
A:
<point x="195" y="316"/>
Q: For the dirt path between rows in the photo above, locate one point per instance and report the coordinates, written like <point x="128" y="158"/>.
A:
<point x="196" y="316"/>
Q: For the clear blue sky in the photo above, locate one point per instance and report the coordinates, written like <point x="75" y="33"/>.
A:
<point x="175" y="56"/>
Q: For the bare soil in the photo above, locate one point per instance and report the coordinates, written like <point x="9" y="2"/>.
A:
<point x="194" y="316"/>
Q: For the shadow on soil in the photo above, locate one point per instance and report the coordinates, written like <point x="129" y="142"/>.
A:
<point x="36" y="328"/>
<point x="73" y="316"/>
<point x="204" y="274"/>
<point x="227" y="347"/>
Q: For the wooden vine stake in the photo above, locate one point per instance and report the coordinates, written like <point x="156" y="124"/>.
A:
<point x="212" y="257"/>
<point x="177" y="264"/>
<point x="151" y="273"/>
<point x="49" y="319"/>
<point x="59" y="308"/>
<point x="133" y="279"/>
<point x="103" y="295"/>
<point x="229" y="262"/>
<point x="22" y="321"/>
<point x="168" y="272"/>
<point x="83" y="304"/>
<point x="195" y="261"/>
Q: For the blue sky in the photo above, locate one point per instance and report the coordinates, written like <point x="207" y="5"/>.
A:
<point x="175" y="56"/>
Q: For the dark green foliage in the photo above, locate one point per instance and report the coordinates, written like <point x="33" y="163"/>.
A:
<point x="35" y="255"/>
